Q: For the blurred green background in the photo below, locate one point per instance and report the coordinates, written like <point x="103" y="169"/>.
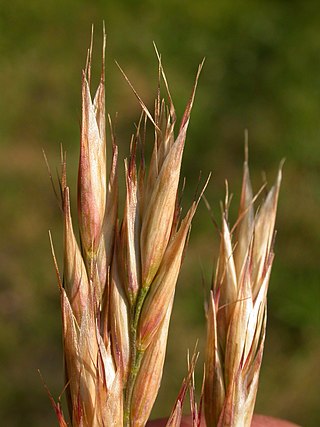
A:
<point x="262" y="72"/>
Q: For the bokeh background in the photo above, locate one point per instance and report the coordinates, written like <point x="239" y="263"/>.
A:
<point x="262" y="72"/>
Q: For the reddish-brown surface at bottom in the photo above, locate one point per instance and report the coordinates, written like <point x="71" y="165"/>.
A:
<point x="258" y="421"/>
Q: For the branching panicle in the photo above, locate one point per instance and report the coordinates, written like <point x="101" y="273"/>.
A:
<point x="119" y="282"/>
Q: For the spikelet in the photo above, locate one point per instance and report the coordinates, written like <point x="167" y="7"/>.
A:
<point x="236" y="314"/>
<point x="152" y="239"/>
<point x="188" y="383"/>
<point x="93" y="378"/>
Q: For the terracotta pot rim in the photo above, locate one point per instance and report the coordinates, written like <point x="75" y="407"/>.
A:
<point x="258" y="420"/>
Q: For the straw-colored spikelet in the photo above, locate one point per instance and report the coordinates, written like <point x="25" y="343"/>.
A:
<point x="94" y="384"/>
<point x="119" y="282"/>
<point x="236" y="315"/>
<point x="188" y="383"/>
<point x="152" y="241"/>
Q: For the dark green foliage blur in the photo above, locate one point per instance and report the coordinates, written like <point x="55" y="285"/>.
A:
<point x="262" y="73"/>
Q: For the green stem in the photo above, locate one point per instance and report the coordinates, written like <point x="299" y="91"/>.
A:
<point x="136" y="355"/>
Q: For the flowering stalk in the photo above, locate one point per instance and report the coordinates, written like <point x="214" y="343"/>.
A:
<point x="119" y="283"/>
<point x="236" y="315"/>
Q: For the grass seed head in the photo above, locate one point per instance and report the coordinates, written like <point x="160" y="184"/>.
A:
<point x="236" y="317"/>
<point x="119" y="282"/>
